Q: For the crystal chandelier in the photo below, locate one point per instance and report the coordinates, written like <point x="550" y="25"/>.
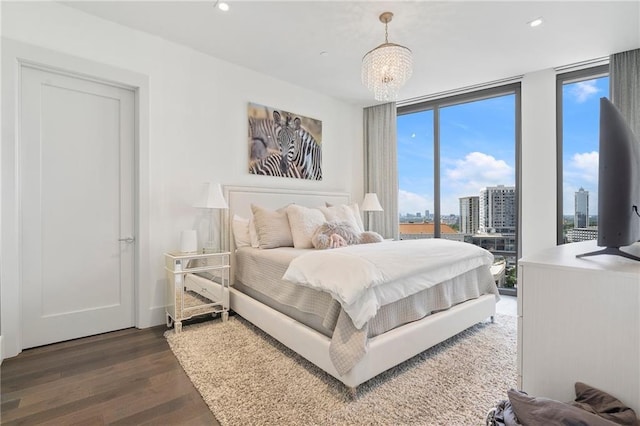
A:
<point x="386" y="68"/>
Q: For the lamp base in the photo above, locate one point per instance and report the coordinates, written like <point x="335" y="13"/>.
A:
<point x="207" y="250"/>
<point x="211" y="247"/>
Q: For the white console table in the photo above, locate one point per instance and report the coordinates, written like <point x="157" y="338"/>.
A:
<point x="579" y="320"/>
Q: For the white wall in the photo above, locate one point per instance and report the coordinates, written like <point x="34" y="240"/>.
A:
<point x="196" y="132"/>
<point x="196" y="129"/>
<point x="538" y="215"/>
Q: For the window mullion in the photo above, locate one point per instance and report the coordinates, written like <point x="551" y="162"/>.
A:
<point x="436" y="171"/>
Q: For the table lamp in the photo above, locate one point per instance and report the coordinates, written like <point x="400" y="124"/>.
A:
<point x="211" y="198"/>
<point x="371" y="204"/>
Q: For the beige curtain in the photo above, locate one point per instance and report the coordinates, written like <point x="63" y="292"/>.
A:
<point x="624" y="82"/>
<point x="381" y="167"/>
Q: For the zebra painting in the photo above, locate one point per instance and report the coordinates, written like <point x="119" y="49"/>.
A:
<point x="272" y="166"/>
<point x="262" y="138"/>
<point x="293" y="140"/>
<point x="288" y="140"/>
<point x="308" y="153"/>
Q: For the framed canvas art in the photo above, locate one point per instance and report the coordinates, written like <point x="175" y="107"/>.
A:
<point x="284" y="144"/>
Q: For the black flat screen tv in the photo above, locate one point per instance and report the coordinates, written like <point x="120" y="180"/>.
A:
<point x="618" y="184"/>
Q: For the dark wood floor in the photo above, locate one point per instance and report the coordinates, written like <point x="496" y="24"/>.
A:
<point x="126" y="377"/>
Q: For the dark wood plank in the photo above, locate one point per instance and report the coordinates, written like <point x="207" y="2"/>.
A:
<point x="49" y="358"/>
<point x="124" y="377"/>
<point x="96" y="378"/>
<point x="88" y="356"/>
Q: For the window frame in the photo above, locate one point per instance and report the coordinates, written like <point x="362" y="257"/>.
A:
<point x="584" y="74"/>
<point x="477" y="95"/>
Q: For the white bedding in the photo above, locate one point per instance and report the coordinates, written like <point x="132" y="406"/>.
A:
<point x="365" y="277"/>
<point x="399" y="331"/>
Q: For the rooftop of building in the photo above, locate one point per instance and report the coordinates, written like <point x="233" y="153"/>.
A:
<point x="425" y="228"/>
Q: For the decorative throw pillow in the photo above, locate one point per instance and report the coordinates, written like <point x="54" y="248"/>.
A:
<point x="604" y="405"/>
<point x="240" y="227"/>
<point x="322" y="237"/>
<point x="272" y="227"/>
<point x="253" y="234"/>
<point x="356" y="213"/>
<point x="341" y="213"/>
<point x="543" y="411"/>
<point x="369" y="237"/>
<point x="303" y="222"/>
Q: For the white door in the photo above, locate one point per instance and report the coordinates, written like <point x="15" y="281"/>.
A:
<point x="76" y="159"/>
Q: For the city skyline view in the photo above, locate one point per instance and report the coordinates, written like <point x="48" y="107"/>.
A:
<point x="581" y="130"/>
<point x="478" y="149"/>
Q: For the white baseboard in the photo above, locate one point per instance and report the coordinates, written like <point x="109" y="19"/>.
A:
<point x="1" y="357"/>
<point x="154" y="316"/>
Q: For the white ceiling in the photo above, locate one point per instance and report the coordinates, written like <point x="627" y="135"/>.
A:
<point x="455" y="43"/>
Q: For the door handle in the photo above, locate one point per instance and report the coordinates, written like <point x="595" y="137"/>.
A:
<point x="127" y="240"/>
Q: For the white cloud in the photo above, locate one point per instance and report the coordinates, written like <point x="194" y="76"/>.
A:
<point x="462" y="178"/>
<point x="583" y="90"/>
<point x="584" y="167"/>
<point x="409" y="202"/>
<point x="468" y="176"/>
<point x="478" y="170"/>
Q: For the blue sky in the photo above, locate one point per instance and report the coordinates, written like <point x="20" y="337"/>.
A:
<point x="581" y="115"/>
<point x="478" y="149"/>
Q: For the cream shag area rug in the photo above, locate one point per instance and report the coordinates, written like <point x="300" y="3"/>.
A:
<point x="246" y="377"/>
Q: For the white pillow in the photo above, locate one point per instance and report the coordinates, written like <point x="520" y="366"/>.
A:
<point x="272" y="227"/>
<point x="342" y="213"/>
<point x="356" y="212"/>
<point x="253" y="234"/>
<point x="240" y="227"/>
<point x="303" y="222"/>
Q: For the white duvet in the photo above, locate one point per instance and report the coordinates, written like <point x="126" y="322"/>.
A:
<point x="365" y="277"/>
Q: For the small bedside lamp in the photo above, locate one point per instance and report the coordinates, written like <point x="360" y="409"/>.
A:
<point x="371" y="204"/>
<point x="211" y="198"/>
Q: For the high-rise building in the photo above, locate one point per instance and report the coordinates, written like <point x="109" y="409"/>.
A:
<point x="582" y="234"/>
<point x="469" y="214"/>
<point x="498" y="209"/>
<point x="581" y="212"/>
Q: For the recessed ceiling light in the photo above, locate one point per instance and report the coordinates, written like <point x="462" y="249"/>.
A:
<point x="222" y="5"/>
<point x="535" y="23"/>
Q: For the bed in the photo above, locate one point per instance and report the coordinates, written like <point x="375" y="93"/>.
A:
<point x="320" y="336"/>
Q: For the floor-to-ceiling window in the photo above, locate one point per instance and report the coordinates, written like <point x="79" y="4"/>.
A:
<point x="579" y="94"/>
<point x="457" y="168"/>
<point x="415" y="167"/>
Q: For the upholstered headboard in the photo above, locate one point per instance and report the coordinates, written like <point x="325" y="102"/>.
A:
<point x="240" y="199"/>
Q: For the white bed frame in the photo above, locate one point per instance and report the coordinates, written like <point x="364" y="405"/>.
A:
<point x="386" y="350"/>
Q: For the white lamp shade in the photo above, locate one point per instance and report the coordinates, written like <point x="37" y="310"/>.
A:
<point x="211" y="197"/>
<point x="371" y="203"/>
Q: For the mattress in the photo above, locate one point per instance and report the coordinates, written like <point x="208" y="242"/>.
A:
<point x="259" y="274"/>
